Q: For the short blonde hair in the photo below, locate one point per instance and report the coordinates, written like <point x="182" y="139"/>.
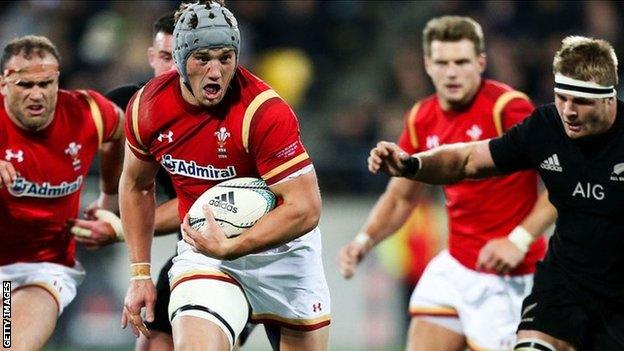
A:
<point x="587" y="59"/>
<point x="453" y="28"/>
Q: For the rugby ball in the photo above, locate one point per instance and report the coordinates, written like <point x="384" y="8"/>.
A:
<point x="237" y="204"/>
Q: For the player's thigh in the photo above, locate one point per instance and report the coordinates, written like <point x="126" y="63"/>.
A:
<point x="204" y="309"/>
<point x="533" y="340"/>
<point x="192" y="333"/>
<point x="33" y="317"/>
<point x="158" y="341"/>
<point x="296" y="340"/>
<point x="425" y="335"/>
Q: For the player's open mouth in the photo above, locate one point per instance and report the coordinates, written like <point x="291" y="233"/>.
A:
<point x="212" y="90"/>
<point x="35" y="110"/>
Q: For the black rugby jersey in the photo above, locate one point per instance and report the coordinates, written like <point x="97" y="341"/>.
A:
<point x="585" y="180"/>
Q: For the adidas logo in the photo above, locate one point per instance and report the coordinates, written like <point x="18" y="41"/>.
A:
<point x="224" y="201"/>
<point x="552" y="164"/>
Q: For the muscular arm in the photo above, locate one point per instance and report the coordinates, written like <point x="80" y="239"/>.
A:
<point x="298" y="214"/>
<point x="137" y="205"/>
<point x="111" y="153"/>
<point x="443" y="165"/>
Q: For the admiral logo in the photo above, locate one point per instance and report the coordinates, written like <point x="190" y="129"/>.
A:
<point x="552" y="164"/>
<point x="22" y="187"/>
<point x="16" y="155"/>
<point x="193" y="170"/>
<point x="618" y="173"/>
<point x="225" y="201"/>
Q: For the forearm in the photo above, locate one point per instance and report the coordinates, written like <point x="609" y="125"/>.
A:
<point x="167" y="219"/>
<point x="137" y="215"/>
<point x="110" y="166"/>
<point x="280" y="226"/>
<point x="541" y="217"/>
<point x="386" y="217"/>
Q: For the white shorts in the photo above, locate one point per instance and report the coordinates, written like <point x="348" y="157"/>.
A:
<point x="487" y="305"/>
<point x="285" y="286"/>
<point x="58" y="280"/>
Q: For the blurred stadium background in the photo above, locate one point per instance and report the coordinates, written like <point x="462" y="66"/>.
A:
<point x="350" y="69"/>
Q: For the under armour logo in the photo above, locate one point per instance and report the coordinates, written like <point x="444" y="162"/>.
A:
<point x="317" y="307"/>
<point x="9" y="155"/>
<point x="168" y="136"/>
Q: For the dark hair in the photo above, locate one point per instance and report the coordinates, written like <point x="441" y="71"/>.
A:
<point x="453" y="29"/>
<point x="28" y="46"/>
<point x="165" y="24"/>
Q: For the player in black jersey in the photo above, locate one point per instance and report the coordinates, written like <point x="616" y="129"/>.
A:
<point x="577" y="146"/>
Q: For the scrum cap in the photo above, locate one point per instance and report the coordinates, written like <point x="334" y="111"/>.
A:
<point x="203" y="26"/>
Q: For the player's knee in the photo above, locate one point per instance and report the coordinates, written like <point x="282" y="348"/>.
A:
<point x="533" y="344"/>
<point x="222" y="303"/>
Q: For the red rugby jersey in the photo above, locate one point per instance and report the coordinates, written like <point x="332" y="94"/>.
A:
<point x="478" y="210"/>
<point x="53" y="164"/>
<point x="251" y="133"/>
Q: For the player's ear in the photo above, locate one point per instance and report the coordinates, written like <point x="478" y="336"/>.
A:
<point x="482" y="61"/>
<point x="151" y="55"/>
<point x="3" y="86"/>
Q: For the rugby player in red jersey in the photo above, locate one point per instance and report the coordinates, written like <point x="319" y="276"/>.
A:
<point x="210" y="122"/>
<point x="471" y="293"/>
<point x="48" y="140"/>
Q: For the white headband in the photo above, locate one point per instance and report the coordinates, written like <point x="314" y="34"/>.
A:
<point x="581" y="88"/>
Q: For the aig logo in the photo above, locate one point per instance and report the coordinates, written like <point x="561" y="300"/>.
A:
<point x="589" y="191"/>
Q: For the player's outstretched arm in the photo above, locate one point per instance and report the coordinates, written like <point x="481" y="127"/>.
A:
<point x="387" y="216"/>
<point x="137" y="204"/>
<point x="442" y="165"/>
<point x="111" y="154"/>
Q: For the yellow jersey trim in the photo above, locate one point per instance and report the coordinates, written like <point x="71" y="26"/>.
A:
<point x="96" y="114"/>
<point x="500" y="104"/>
<point x="251" y="111"/>
<point x="284" y="166"/>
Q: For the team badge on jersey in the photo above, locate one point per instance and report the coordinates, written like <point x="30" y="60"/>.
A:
<point x="72" y="150"/>
<point x="474" y="132"/>
<point x="618" y="173"/>
<point x="222" y="135"/>
<point x="433" y="141"/>
<point x="18" y="155"/>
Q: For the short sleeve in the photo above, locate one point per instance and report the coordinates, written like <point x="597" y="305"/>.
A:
<point x="275" y="142"/>
<point x="131" y="124"/>
<point x="104" y="114"/>
<point x="516" y="111"/>
<point x="511" y="151"/>
<point x="408" y="140"/>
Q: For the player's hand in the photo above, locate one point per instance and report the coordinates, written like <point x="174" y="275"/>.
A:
<point x="97" y="230"/>
<point x="349" y="257"/>
<point x="211" y="240"/>
<point x="141" y="294"/>
<point x="500" y="256"/>
<point x="7" y="173"/>
<point x="388" y="158"/>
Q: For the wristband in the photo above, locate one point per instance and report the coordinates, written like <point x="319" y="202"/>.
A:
<point x="411" y="166"/>
<point x="521" y="238"/>
<point x="113" y="220"/>
<point x="140" y="270"/>
<point x="363" y="239"/>
<point x="141" y="277"/>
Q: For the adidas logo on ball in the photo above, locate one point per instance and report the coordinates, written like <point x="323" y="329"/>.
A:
<point x="225" y="201"/>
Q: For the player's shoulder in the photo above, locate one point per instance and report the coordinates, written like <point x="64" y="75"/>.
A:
<point x="496" y="91"/>
<point x="254" y="92"/>
<point x="81" y="99"/>
<point x="422" y="108"/>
